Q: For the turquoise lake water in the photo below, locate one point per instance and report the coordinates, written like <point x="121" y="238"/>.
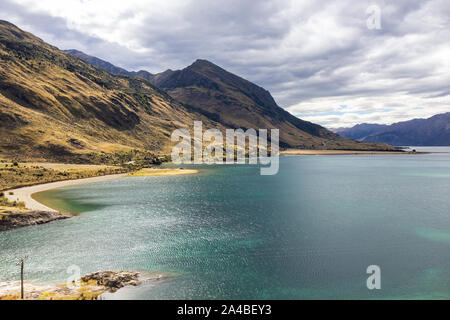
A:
<point x="308" y="232"/>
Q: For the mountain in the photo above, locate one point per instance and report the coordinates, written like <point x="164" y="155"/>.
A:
<point x="237" y="103"/>
<point x="434" y="131"/>
<point x="109" y="66"/>
<point x="58" y="107"/>
<point x="360" y="131"/>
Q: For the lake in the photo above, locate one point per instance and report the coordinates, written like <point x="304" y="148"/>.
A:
<point x="308" y="232"/>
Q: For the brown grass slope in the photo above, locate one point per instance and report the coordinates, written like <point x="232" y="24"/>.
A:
<point x="55" y="106"/>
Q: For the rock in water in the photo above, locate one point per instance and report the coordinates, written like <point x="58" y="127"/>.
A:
<point x="113" y="280"/>
<point x="15" y="220"/>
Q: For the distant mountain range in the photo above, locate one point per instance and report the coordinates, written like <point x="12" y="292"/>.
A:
<point x="54" y="105"/>
<point x="434" y="131"/>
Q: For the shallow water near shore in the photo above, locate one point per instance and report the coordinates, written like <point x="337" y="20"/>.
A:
<point x="309" y="232"/>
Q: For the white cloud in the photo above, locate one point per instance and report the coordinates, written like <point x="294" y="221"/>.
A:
<point x="314" y="57"/>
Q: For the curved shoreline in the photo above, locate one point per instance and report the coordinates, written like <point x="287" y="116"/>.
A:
<point x="25" y="194"/>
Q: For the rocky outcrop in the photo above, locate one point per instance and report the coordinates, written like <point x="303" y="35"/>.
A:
<point x="113" y="280"/>
<point x="11" y="220"/>
<point x="89" y="287"/>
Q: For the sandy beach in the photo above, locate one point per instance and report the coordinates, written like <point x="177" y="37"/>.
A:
<point x="24" y="194"/>
<point x="305" y="152"/>
<point x="150" y="172"/>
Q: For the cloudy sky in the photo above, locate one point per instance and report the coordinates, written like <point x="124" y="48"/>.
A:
<point x="331" y="62"/>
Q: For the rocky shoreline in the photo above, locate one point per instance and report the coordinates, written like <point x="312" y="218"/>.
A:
<point x="10" y="219"/>
<point x="89" y="287"/>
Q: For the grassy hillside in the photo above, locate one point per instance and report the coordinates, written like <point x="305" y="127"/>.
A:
<point x="57" y="107"/>
<point x="17" y="175"/>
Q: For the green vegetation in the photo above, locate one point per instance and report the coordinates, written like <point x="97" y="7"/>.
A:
<point x="4" y="202"/>
<point x="15" y="177"/>
<point x="126" y="157"/>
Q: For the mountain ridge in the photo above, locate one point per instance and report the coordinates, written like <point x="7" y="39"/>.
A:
<point x="56" y="106"/>
<point x="199" y="74"/>
<point x="109" y="66"/>
<point x="433" y="131"/>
